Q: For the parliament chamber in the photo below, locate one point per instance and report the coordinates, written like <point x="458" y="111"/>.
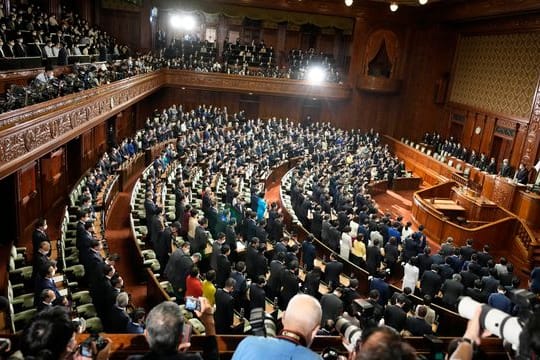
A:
<point x="226" y="116"/>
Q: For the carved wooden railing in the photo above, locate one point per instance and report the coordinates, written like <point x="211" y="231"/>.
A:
<point x="28" y="133"/>
<point x="256" y="85"/>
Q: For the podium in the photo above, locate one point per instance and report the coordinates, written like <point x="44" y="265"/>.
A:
<point x="501" y="190"/>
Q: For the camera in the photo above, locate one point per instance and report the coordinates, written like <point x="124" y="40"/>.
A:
<point x="193" y="304"/>
<point x="497" y="322"/>
<point x="350" y="332"/>
<point x="263" y="324"/>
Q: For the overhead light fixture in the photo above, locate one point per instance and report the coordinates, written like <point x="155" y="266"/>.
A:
<point x="423" y="2"/>
<point x="348" y="2"/>
<point x="394" y="6"/>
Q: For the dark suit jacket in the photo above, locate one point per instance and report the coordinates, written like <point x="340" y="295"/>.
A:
<point x="178" y="268"/>
<point x="418" y="326"/>
<point x="430" y="283"/>
<point x="199" y="241"/>
<point x="332" y="271"/>
<point x="223" y="271"/>
<point x="257" y="297"/>
<point x="506" y="171"/>
<point x="37" y="237"/>
<point x="224" y="312"/>
<point x="274" y="281"/>
<point x="289" y="283"/>
<point x="451" y="290"/>
<point x="395" y="317"/>
<point x="332" y="308"/>
<point x="308" y="254"/>
<point x="117" y="320"/>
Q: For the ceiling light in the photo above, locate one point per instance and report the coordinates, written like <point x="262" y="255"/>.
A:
<point x="423" y="2"/>
<point x="394" y="6"/>
<point x="348" y="2"/>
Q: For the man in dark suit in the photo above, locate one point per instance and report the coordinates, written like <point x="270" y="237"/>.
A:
<point x="94" y="262"/>
<point x="484" y="256"/>
<point x="19" y="48"/>
<point x="431" y="282"/>
<point x="417" y="325"/>
<point x="84" y="241"/>
<point x="522" y="175"/>
<point x="506" y="169"/>
<point x="178" y="268"/>
<point x="394" y="316"/>
<point x="467" y="250"/>
<point x="47" y="299"/>
<point x="198" y="245"/>
<point x="289" y="284"/>
<point x="277" y="266"/>
<point x="256" y="294"/>
<point x="118" y="319"/>
<point x="308" y="253"/>
<point x="39" y="234"/>
<point x="477" y="293"/>
<point x="490" y="282"/>
<point x="491" y="168"/>
<point x="41" y="259"/>
<point x="373" y="257"/>
<point x="332" y="306"/>
<point x="383" y="289"/>
<point x="223" y="265"/>
<point x="150" y="209"/>
<point x="451" y="291"/>
<point x="46" y="281"/>
<point x="332" y="271"/>
<point x="163" y="246"/>
<point x="224" y="314"/>
<point x="468" y="277"/>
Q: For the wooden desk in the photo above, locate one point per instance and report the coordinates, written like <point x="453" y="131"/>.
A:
<point x="527" y="206"/>
<point x="448" y="207"/>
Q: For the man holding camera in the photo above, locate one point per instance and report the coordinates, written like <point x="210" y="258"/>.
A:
<point x="300" y="324"/>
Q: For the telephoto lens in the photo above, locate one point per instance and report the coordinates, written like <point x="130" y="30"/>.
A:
<point x="497" y="322"/>
<point x="350" y="332"/>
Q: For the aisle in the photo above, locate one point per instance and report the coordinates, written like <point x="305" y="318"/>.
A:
<point x="118" y="237"/>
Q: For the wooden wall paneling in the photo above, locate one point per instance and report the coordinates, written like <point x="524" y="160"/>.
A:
<point x="9" y="212"/>
<point x="476" y="139"/>
<point x="100" y="138"/>
<point x="125" y="25"/>
<point x="292" y="41"/>
<point x="426" y="57"/>
<point x="517" y="145"/>
<point x="487" y="135"/>
<point x="87" y="155"/>
<point x="468" y="128"/>
<point x="53" y="179"/>
<point x="29" y="202"/>
<point x="74" y="163"/>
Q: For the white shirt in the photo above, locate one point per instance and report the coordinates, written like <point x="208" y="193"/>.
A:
<point x="410" y="276"/>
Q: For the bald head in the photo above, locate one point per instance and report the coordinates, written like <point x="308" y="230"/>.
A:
<point x="303" y="315"/>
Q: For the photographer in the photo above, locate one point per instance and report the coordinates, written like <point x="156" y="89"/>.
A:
<point x="300" y="324"/>
<point x="164" y="333"/>
<point x="51" y="335"/>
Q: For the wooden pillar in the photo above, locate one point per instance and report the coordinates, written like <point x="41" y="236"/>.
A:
<point x="55" y="7"/>
<point x="221" y="34"/>
<point x="7" y="7"/>
<point x="281" y="41"/>
<point x="85" y="9"/>
<point x="530" y="148"/>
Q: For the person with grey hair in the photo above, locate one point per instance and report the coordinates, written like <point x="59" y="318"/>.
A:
<point x="451" y="290"/>
<point x="164" y="330"/>
<point x="118" y="318"/>
<point x="301" y="322"/>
